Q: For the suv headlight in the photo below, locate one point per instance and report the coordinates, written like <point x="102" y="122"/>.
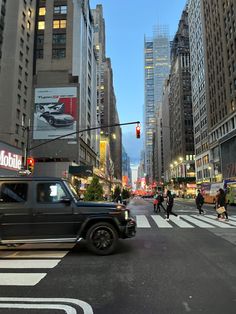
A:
<point x="126" y="214"/>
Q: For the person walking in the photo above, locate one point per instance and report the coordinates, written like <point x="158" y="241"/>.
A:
<point x="155" y="202"/>
<point x="160" y="199"/>
<point x="199" y="202"/>
<point x="169" y="207"/>
<point x="221" y="202"/>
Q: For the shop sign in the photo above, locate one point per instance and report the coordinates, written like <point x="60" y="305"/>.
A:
<point x="10" y="160"/>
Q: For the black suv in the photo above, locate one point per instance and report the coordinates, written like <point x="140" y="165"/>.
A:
<point x="39" y="209"/>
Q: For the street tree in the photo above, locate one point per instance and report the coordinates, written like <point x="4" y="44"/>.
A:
<point x="94" y="191"/>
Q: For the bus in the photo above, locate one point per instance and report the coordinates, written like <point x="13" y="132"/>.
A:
<point x="231" y="192"/>
<point x="209" y="191"/>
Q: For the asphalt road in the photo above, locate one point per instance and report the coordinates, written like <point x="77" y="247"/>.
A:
<point x="166" y="269"/>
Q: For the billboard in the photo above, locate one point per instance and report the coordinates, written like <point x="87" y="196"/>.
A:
<point x="55" y="112"/>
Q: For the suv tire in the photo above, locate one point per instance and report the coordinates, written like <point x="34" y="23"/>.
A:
<point x="102" y="238"/>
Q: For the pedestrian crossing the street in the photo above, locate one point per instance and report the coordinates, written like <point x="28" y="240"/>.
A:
<point x="184" y="221"/>
<point x="37" y="258"/>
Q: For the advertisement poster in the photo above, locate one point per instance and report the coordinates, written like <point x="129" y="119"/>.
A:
<point x="55" y="112"/>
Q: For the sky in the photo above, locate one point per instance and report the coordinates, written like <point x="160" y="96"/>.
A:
<point x="126" y="24"/>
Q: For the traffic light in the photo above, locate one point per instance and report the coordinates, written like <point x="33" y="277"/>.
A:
<point x="30" y="164"/>
<point x="138" y="131"/>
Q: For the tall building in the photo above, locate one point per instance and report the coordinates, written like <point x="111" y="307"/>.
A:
<point x="156" y="70"/>
<point x="65" y="99"/>
<point x="16" y="63"/>
<point x="126" y="169"/>
<point x="198" y="82"/>
<point x="106" y="100"/>
<point x="220" y="49"/>
<point x="212" y="43"/>
<point x="180" y="102"/>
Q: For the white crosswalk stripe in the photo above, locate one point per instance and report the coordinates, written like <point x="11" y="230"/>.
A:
<point x="142" y="221"/>
<point x="185" y="222"/>
<point x="215" y="222"/>
<point x="197" y="222"/>
<point x="230" y="222"/>
<point x="30" y="257"/>
<point x="161" y="222"/>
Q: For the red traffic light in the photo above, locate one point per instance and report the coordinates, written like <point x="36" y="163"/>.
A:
<point x="138" y="129"/>
<point x="30" y="164"/>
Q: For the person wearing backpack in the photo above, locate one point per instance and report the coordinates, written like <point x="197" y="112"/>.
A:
<point x="199" y="202"/>
<point x="170" y="203"/>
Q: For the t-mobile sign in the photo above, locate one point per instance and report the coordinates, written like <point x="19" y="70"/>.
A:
<point x="10" y="160"/>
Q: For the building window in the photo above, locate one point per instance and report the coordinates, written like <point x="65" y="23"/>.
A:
<point x="62" y="9"/>
<point x="17" y="128"/>
<point x="39" y="53"/>
<point x="29" y="13"/>
<point x="28" y="25"/>
<point x="59" y="38"/>
<point x="59" y="24"/>
<point x="18" y="114"/>
<point x="19" y="84"/>
<point x="18" y="99"/>
<point x="41" y="25"/>
<point x="42" y="11"/>
<point x="40" y="39"/>
<point x="58" y="53"/>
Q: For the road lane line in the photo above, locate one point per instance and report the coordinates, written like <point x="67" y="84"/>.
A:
<point x="84" y="305"/>
<point x="20" y="279"/>
<point x="179" y="222"/>
<point x="197" y="222"/>
<point x="214" y="222"/>
<point x="161" y="222"/>
<point x="66" y="308"/>
<point x="8" y="253"/>
<point x="142" y="221"/>
<point x="28" y="263"/>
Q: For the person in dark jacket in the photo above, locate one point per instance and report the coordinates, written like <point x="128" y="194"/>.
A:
<point x="160" y="199"/>
<point x="199" y="202"/>
<point x="169" y="203"/>
<point x="221" y="201"/>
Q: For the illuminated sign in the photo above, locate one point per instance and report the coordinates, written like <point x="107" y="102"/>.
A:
<point x="10" y="160"/>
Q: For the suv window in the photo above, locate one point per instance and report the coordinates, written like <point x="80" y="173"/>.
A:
<point x="14" y="192"/>
<point x="50" y="192"/>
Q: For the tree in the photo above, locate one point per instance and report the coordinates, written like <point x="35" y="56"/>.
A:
<point x="125" y="194"/>
<point x="94" y="191"/>
<point x="117" y="192"/>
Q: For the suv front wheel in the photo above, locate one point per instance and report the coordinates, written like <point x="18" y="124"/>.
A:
<point x="102" y="238"/>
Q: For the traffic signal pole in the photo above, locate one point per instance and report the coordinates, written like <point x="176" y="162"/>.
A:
<point x="28" y="148"/>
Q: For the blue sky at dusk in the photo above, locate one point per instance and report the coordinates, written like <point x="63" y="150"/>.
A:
<point x="127" y="21"/>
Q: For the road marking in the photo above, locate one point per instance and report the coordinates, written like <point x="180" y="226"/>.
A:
<point x="28" y="263"/>
<point x="232" y="218"/>
<point x="161" y="222"/>
<point x="214" y="222"/>
<point x="20" y="279"/>
<point x="66" y="308"/>
<point x="85" y="306"/>
<point x="197" y="222"/>
<point x="8" y="253"/>
<point x="230" y="222"/>
<point x="142" y="221"/>
<point x="179" y="222"/>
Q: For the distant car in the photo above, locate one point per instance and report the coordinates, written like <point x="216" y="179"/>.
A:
<point x="58" y="119"/>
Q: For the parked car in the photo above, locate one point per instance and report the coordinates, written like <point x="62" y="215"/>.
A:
<point x="42" y="209"/>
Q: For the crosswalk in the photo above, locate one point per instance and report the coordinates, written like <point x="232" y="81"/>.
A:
<point x="15" y="260"/>
<point x="184" y="221"/>
<point x="38" y="259"/>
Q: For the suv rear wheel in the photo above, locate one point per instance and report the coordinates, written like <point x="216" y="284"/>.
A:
<point x="102" y="238"/>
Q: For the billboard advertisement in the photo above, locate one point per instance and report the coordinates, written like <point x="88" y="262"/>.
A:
<point x="55" y="112"/>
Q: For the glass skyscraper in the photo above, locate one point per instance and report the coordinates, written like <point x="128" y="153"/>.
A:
<point x="156" y="70"/>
